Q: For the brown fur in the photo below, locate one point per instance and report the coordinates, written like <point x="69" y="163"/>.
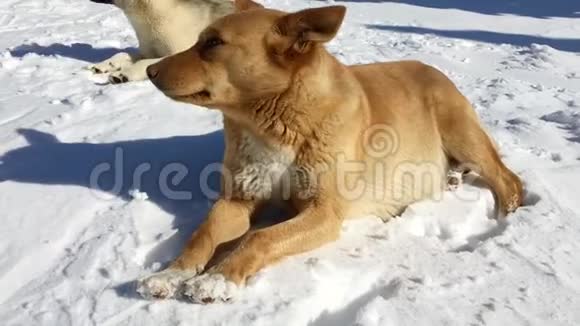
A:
<point x="288" y="102"/>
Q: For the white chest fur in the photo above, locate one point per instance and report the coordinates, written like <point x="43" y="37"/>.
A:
<point x="263" y="171"/>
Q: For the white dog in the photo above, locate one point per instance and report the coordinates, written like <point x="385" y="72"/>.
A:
<point x="163" y="28"/>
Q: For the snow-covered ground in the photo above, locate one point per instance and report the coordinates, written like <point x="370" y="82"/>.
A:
<point x="70" y="254"/>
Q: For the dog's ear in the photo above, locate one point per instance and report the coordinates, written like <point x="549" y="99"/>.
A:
<point x="297" y="31"/>
<point x="243" y="5"/>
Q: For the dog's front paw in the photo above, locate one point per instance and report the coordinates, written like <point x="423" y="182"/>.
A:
<point x="163" y="285"/>
<point x="115" y="63"/>
<point x="102" y="68"/>
<point x="118" y="77"/>
<point x="208" y="288"/>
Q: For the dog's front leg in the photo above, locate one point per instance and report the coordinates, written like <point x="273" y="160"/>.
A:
<point x="134" y="72"/>
<point x="315" y="226"/>
<point x="114" y="63"/>
<point x="227" y="220"/>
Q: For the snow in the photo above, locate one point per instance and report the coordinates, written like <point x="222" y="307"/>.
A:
<point x="71" y="252"/>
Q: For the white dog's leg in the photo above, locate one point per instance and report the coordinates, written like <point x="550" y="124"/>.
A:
<point x="114" y="63"/>
<point x="134" y="72"/>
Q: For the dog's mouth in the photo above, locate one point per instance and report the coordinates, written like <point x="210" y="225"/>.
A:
<point x="201" y="96"/>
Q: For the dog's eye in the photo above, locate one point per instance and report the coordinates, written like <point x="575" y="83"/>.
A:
<point x="213" y="42"/>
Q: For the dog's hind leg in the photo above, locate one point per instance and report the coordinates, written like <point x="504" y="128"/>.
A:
<point x="227" y="220"/>
<point x="465" y="141"/>
<point x="133" y="72"/>
<point x="454" y="178"/>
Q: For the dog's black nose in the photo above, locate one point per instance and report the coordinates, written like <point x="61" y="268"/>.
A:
<point x="152" y="72"/>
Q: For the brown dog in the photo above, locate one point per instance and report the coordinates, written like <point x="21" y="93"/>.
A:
<point x="335" y="141"/>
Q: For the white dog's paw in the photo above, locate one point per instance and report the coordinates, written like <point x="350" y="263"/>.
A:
<point x="207" y="288"/>
<point x="118" y="77"/>
<point x="163" y="285"/>
<point x="135" y="72"/>
<point x="115" y="63"/>
<point x="103" y="68"/>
